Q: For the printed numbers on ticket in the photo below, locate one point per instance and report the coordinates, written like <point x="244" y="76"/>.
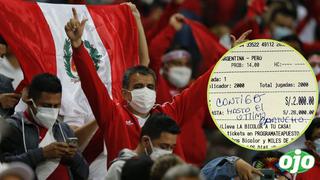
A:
<point x="262" y="94"/>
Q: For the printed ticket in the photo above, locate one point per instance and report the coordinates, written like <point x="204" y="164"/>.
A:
<point x="262" y="94"/>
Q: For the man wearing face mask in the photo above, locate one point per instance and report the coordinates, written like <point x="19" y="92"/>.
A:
<point x="158" y="137"/>
<point x="37" y="138"/>
<point x="121" y="123"/>
<point x="282" y="23"/>
<point x="173" y="71"/>
<point x="312" y="143"/>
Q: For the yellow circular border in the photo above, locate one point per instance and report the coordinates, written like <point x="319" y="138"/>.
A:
<point x="212" y="76"/>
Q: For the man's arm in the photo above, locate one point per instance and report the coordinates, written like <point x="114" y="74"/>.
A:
<point x="172" y="8"/>
<point x="162" y="41"/>
<point x="190" y="101"/>
<point x="143" y="46"/>
<point x="229" y="167"/>
<point x="94" y="89"/>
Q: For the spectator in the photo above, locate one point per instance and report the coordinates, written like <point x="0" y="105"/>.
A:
<point x="38" y="139"/>
<point x="158" y="137"/>
<point x="8" y="99"/>
<point x="183" y="172"/>
<point x="137" y="168"/>
<point x="9" y="65"/>
<point x="15" y="171"/>
<point x="282" y="23"/>
<point x="312" y="143"/>
<point x="163" y="164"/>
<point x="232" y="167"/>
<point x="121" y="123"/>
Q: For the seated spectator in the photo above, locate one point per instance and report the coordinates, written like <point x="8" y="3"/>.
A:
<point x="8" y="99"/>
<point x="229" y="168"/>
<point x="183" y="172"/>
<point x="158" y="137"/>
<point x="163" y="164"/>
<point x="15" y="171"/>
<point x="312" y="143"/>
<point x="137" y="168"/>
<point x="38" y="139"/>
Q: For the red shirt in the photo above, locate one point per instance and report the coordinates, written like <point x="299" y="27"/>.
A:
<point x="120" y="127"/>
<point x="194" y="141"/>
<point x="311" y="174"/>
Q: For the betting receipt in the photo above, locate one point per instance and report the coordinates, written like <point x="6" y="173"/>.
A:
<point x="262" y="94"/>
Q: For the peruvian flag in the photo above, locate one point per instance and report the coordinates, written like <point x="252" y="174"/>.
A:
<point x="35" y="33"/>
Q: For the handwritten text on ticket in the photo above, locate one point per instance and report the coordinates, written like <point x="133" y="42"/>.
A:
<point x="262" y="94"/>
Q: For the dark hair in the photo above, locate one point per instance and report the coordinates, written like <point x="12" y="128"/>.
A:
<point x="291" y="38"/>
<point x="314" y="125"/>
<point x="137" y="168"/>
<point x="2" y="41"/>
<point x="158" y="123"/>
<point x="136" y="69"/>
<point x="282" y="11"/>
<point x="163" y="164"/>
<point x="260" y="156"/>
<point x="44" y="83"/>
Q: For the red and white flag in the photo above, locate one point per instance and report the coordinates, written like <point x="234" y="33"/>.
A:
<point x="35" y="33"/>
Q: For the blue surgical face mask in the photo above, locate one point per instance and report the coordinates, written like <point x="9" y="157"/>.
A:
<point x="280" y="32"/>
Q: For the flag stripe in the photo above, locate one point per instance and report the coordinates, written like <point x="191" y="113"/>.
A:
<point x="36" y="35"/>
<point x="74" y="101"/>
<point x="112" y="27"/>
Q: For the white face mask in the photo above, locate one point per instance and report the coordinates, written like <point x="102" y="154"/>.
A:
<point x="143" y="99"/>
<point x="225" y="40"/>
<point x="157" y="152"/>
<point x="45" y="117"/>
<point x="179" y="76"/>
<point x="280" y="32"/>
<point x="317" y="144"/>
<point x="316" y="69"/>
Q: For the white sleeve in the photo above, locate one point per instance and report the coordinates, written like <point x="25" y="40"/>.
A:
<point x="114" y="172"/>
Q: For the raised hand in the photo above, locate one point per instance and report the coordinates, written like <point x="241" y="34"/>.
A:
<point x="9" y="100"/>
<point x="176" y="21"/>
<point x="74" y="29"/>
<point x="241" y="39"/>
<point x="133" y="8"/>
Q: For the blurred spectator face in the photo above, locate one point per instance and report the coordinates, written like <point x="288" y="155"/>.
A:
<point x="159" y="146"/>
<point x="314" y="61"/>
<point x="281" y="25"/>
<point x="314" y="143"/>
<point x="177" y="68"/>
<point x="223" y="33"/>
